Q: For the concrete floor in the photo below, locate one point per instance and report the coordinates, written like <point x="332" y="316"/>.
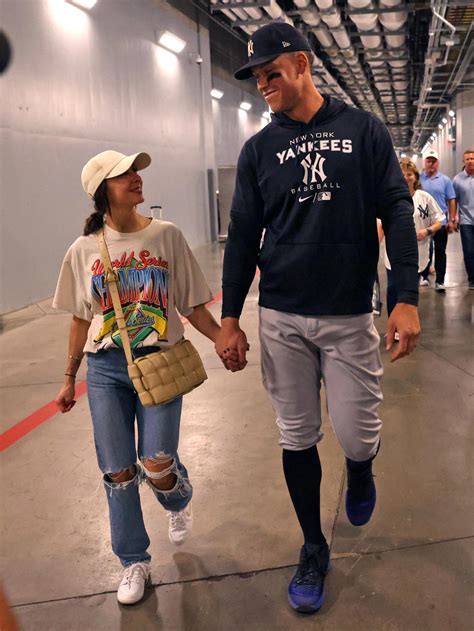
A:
<point x="409" y="569"/>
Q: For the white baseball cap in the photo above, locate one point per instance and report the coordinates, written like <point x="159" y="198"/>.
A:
<point x="110" y="164"/>
<point x="431" y="154"/>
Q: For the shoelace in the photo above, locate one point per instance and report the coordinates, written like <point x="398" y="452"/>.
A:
<point x="134" y="574"/>
<point x="309" y="571"/>
<point x="178" y="519"/>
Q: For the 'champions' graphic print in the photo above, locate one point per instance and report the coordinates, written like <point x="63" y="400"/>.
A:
<point x="143" y="289"/>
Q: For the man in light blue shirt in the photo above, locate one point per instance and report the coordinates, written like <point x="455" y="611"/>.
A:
<point x="441" y="188"/>
<point x="464" y="188"/>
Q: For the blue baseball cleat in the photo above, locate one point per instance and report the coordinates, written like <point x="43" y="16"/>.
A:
<point x="306" y="588"/>
<point x="361" y="494"/>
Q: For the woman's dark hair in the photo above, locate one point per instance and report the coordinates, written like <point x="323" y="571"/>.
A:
<point x="101" y="205"/>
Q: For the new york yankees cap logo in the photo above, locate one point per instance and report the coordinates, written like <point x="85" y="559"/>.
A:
<point x="268" y="43"/>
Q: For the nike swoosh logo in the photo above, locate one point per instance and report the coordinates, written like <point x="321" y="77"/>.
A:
<point x="303" y="199"/>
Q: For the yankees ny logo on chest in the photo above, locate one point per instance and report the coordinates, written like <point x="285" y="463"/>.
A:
<point x="313" y="165"/>
<point x="424" y="212"/>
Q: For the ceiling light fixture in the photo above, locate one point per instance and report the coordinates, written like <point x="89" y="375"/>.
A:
<point x="216" y="94"/>
<point x="452" y="113"/>
<point x="266" y="115"/>
<point x="444" y="120"/>
<point x="171" y="42"/>
<point x="246" y="106"/>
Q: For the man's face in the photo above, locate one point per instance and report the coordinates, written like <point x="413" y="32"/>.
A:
<point x="469" y="162"/>
<point x="278" y="82"/>
<point x="431" y="165"/>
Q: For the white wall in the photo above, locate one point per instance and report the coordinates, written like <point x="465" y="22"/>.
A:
<point x="446" y="151"/>
<point x="464" y="125"/>
<point x="450" y="154"/>
<point x="81" y="82"/>
<point x="233" y="126"/>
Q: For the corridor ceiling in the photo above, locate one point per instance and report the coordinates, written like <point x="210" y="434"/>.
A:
<point x="403" y="61"/>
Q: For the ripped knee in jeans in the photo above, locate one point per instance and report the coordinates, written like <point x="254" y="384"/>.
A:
<point x="161" y="471"/>
<point x="120" y="479"/>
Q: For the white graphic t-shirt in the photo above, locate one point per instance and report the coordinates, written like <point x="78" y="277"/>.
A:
<point x="426" y="212"/>
<point x="158" y="277"/>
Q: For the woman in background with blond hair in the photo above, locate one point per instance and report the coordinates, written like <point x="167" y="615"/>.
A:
<point x="427" y="216"/>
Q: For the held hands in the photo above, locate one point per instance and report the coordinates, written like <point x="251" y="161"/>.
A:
<point x="452" y="224"/>
<point x="231" y="345"/>
<point x="404" y="320"/>
<point x="65" y="399"/>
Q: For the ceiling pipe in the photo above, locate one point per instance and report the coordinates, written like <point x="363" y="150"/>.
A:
<point x="331" y="16"/>
<point x="395" y="105"/>
<point x="453" y="30"/>
<point x="431" y="58"/>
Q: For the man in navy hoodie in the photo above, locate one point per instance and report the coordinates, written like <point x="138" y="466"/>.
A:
<point x="315" y="179"/>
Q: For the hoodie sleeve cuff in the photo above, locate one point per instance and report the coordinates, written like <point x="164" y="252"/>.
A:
<point x="408" y="298"/>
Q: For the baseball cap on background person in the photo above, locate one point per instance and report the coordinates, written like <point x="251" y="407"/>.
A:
<point x="431" y="154"/>
<point x="269" y="42"/>
<point x="110" y="164"/>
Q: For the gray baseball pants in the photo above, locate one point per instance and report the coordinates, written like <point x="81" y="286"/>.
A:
<point x="297" y="352"/>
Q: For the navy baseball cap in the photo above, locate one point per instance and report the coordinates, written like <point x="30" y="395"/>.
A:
<point x="268" y="43"/>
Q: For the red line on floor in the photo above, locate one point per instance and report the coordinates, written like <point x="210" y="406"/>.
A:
<point x="28" y="424"/>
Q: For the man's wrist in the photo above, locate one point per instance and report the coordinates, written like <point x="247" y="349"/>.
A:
<point x="230" y="323"/>
<point x="407" y="304"/>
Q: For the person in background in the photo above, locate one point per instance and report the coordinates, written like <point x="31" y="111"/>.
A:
<point x="441" y="188"/>
<point x="463" y="187"/>
<point x="428" y="218"/>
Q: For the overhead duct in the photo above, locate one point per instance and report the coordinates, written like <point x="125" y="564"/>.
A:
<point x="253" y="13"/>
<point x="335" y="39"/>
<point x="393" y="21"/>
<point x="366" y="22"/>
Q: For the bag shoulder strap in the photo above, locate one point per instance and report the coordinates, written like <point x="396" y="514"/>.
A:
<point x="111" y="280"/>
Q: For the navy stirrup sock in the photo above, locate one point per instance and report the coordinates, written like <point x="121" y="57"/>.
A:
<point x="303" y="477"/>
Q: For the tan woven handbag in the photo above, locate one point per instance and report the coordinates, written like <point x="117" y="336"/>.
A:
<point x="158" y="377"/>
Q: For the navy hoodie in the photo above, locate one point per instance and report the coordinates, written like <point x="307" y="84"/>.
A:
<point x="316" y="189"/>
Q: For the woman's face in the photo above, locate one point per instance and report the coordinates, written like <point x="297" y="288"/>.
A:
<point x="410" y="177"/>
<point x="125" y="189"/>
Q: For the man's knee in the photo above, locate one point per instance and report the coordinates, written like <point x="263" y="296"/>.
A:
<point x="161" y="471"/>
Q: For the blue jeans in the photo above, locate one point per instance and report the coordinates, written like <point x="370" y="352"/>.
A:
<point x="467" y="239"/>
<point x="114" y="405"/>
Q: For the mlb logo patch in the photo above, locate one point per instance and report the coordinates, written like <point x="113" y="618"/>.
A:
<point x="324" y="197"/>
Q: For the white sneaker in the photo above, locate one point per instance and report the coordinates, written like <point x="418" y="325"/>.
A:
<point x="440" y="287"/>
<point x="132" y="587"/>
<point x="424" y="282"/>
<point x="181" y="523"/>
